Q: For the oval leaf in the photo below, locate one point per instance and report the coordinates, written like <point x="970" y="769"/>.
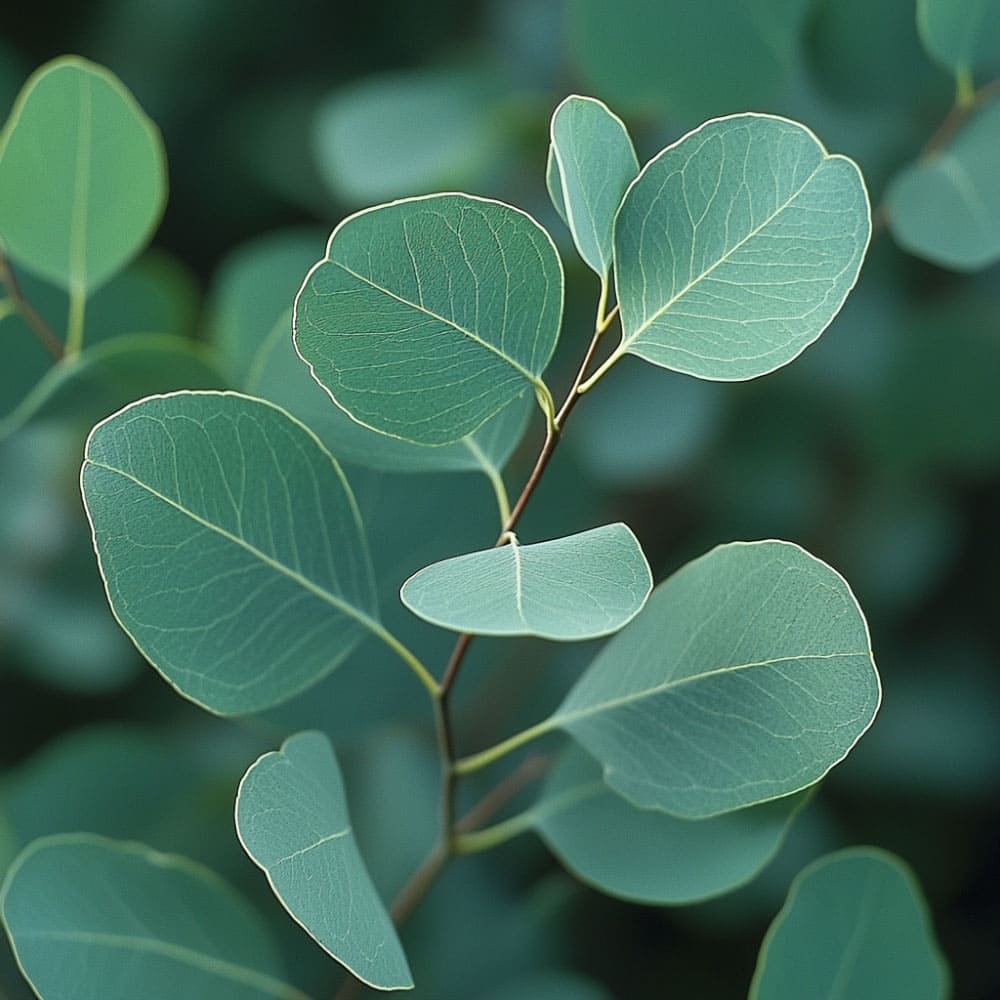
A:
<point x="961" y="34"/>
<point x="646" y="855"/>
<point x="93" y="917"/>
<point x="946" y="207"/>
<point x="591" y="163"/>
<point x="230" y="545"/>
<point x="82" y="175"/>
<point x="429" y="315"/>
<point x="747" y="676"/>
<point x="291" y="817"/>
<point x="578" y="587"/>
<point x="736" y="247"/>
<point x="855" y="925"/>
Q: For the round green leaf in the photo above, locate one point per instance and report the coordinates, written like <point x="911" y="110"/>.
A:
<point x="747" y="677"/>
<point x="736" y="247"/>
<point x="579" y="587"/>
<point x="230" y="545"/>
<point x="855" y="925"/>
<point x="961" y="34"/>
<point x="82" y="175"/>
<point x="429" y="315"/>
<point x="291" y="817"/>
<point x="591" y="163"/>
<point x="97" y="919"/>
<point x="648" y="856"/>
<point x="946" y="207"/>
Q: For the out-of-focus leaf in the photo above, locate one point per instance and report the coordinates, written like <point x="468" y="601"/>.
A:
<point x="855" y="925"/>
<point x="961" y="34"/>
<point x="292" y="819"/>
<point x="90" y="917"/>
<point x="946" y="206"/>
<point x="82" y="175"/>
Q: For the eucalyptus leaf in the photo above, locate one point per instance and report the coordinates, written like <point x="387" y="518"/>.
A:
<point x="429" y="315"/>
<point x="736" y="247"/>
<point x="945" y="207"/>
<point x="855" y="925"/>
<point x="961" y="34"/>
<point x="82" y="175"/>
<point x="291" y="817"/>
<point x="578" y="587"/>
<point x="645" y="855"/>
<point x="278" y="374"/>
<point x="591" y="163"/>
<point x="230" y="544"/>
<point x="747" y="677"/>
<point x="93" y="918"/>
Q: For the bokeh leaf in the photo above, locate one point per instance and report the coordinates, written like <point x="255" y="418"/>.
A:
<point x="736" y="247"/>
<point x="429" y="315"/>
<point x="239" y="566"/>
<point x="855" y="925"/>
<point x="82" y="175"/>
<point x="591" y="163"/>
<point x="91" y="917"/>
<point x="747" y="676"/>
<point x="961" y="34"/>
<point x="291" y="816"/>
<point x="578" y="587"/>
<point x="945" y="207"/>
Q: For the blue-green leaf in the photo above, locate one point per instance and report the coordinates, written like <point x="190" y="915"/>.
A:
<point x="961" y="34"/>
<point x="747" y="677"/>
<point x="855" y="925"/>
<point x="578" y="587"/>
<point x="89" y="917"/>
<point x="429" y="315"/>
<point x="291" y="817"/>
<point x="230" y="545"/>
<point x="82" y="175"/>
<point x="736" y="247"/>
<point x="591" y="163"/>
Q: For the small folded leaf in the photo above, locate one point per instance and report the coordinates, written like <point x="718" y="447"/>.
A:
<point x="291" y="817"/>
<point x="579" y="587"/>
<point x="961" y="34"/>
<point x="736" y="247"/>
<point x="428" y="316"/>
<point x="91" y="917"/>
<point x="591" y="163"/>
<point x="230" y="544"/>
<point x="82" y="175"/>
<point x="646" y="855"/>
<point x="747" y="677"/>
<point x="855" y="925"/>
<point x="946" y="206"/>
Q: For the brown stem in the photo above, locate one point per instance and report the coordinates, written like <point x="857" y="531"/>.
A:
<point x="530" y="769"/>
<point x="36" y="324"/>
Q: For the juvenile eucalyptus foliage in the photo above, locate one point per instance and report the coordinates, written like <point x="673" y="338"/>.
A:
<point x="236" y="556"/>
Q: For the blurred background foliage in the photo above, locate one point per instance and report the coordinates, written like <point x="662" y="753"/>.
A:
<point x="878" y="450"/>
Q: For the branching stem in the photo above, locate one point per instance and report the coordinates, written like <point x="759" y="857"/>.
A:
<point x="36" y="324"/>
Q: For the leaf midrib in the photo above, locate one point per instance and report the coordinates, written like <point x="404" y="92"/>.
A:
<point x="560" y="718"/>
<point x="372" y="624"/>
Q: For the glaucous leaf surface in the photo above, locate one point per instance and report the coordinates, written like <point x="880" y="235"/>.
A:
<point x="946" y="206"/>
<point x="97" y="919"/>
<point x="855" y="925"/>
<point x="578" y="587"/>
<point x="82" y="175"/>
<point x="961" y="34"/>
<point x="591" y="163"/>
<point x="88" y="386"/>
<point x="736" y="246"/>
<point x="649" y="856"/>
<point x="278" y="374"/>
<point x="429" y="315"/>
<point x="747" y="676"/>
<point x="292" y="819"/>
<point x="230" y="544"/>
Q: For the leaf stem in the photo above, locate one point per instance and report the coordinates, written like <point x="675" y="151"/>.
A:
<point x="74" y="322"/>
<point x="477" y="761"/>
<point x="609" y="362"/>
<point x="36" y="324"/>
<point x="494" y="836"/>
<point x="409" y="658"/>
<point x="965" y="89"/>
<point x="493" y="474"/>
<point x="7" y="308"/>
